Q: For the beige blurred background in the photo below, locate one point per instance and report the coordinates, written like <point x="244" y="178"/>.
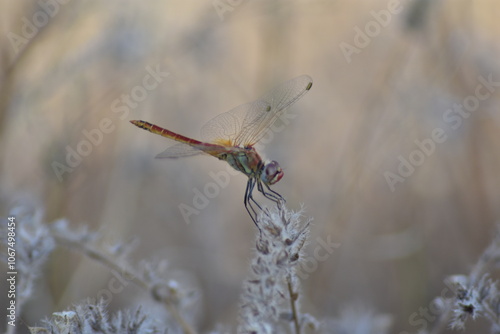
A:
<point x="362" y="113"/>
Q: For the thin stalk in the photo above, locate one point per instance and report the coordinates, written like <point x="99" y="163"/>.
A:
<point x="293" y="298"/>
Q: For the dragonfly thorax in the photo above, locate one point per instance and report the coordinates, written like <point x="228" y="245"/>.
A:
<point x="271" y="173"/>
<point x="245" y="160"/>
<point x="249" y="162"/>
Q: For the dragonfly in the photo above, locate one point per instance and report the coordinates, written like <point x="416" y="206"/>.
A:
<point x="231" y="137"/>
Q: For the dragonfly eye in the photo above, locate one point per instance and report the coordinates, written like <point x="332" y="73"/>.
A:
<point x="272" y="173"/>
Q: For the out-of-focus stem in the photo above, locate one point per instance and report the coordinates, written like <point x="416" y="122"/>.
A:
<point x="293" y="298"/>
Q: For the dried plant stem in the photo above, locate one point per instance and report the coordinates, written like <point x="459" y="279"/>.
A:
<point x="127" y="272"/>
<point x="293" y="298"/>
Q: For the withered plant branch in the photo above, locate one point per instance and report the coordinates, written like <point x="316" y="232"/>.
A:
<point x="131" y="274"/>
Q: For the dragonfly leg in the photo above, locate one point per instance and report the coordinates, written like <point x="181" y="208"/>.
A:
<point x="271" y="195"/>
<point x="248" y="201"/>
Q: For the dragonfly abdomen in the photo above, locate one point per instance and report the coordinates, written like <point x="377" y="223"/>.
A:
<point x="165" y="133"/>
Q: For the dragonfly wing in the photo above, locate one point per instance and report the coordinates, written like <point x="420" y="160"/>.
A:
<point x="265" y="111"/>
<point x="178" y="151"/>
<point x="247" y="123"/>
<point x="224" y="128"/>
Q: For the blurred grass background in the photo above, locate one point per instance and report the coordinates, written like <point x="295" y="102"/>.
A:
<point x="360" y="116"/>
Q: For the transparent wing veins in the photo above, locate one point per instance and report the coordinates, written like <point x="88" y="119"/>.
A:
<point x="247" y="123"/>
<point x="178" y="151"/>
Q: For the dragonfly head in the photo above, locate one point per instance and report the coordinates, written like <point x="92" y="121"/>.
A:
<point x="271" y="173"/>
